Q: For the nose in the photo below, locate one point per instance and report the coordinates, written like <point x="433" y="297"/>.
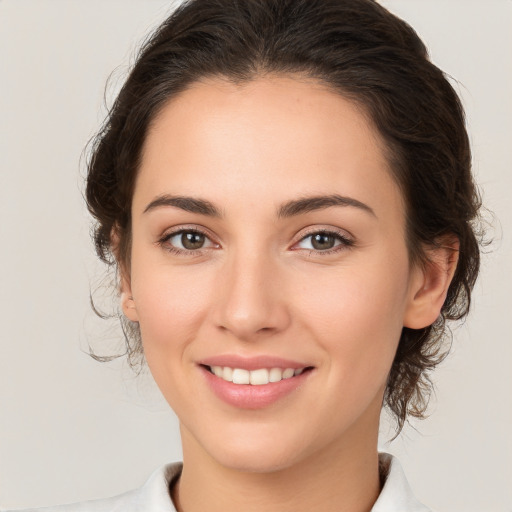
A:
<point x="251" y="298"/>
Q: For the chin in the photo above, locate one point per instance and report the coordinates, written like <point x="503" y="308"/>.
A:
<point x="254" y="459"/>
<point x="258" y="448"/>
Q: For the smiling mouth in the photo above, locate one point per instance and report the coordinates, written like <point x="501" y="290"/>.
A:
<point x="258" y="377"/>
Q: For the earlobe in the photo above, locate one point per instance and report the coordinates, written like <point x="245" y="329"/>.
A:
<point x="127" y="301"/>
<point x="430" y="283"/>
<point x="128" y="306"/>
<point x="126" y="297"/>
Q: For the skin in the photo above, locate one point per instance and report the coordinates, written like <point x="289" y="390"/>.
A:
<point x="259" y="286"/>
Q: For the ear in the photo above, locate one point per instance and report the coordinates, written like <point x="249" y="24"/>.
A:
<point x="127" y="302"/>
<point x="126" y="297"/>
<point x="430" y="282"/>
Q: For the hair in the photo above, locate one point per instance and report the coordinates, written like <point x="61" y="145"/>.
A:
<point x="359" y="50"/>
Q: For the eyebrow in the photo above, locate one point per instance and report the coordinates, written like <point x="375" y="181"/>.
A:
<point x="189" y="204"/>
<point x="313" y="203"/>
<point x="289" y="209"/>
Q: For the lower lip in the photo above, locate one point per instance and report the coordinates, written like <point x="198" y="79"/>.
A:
<point x="247" y="396"/>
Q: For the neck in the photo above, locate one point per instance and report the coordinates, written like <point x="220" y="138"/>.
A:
<point x="341" y="478"/>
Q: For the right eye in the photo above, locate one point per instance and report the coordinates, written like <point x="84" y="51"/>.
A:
<point x="186" y="241"/>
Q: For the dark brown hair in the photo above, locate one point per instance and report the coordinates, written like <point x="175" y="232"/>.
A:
<point x="364" y="53"/>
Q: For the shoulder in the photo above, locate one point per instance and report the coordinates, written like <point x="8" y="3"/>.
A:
<point x="396" y="493"/>
<point x="153" y="496"/>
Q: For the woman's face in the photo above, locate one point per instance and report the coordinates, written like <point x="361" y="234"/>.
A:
<point x="268" y="234"/>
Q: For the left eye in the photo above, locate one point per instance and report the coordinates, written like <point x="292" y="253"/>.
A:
<point x="323" y="241"/>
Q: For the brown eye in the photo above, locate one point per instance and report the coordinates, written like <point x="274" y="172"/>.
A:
<point x="192" y="240"/>
<point x="186" y="241"/>
<point x="323" y="241"/>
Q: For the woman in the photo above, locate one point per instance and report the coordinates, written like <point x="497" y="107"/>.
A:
<point x="285" y="190"/>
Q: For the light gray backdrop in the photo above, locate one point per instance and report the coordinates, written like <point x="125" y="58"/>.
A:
<point x="72" y="428"/>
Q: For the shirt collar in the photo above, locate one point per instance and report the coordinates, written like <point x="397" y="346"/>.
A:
<point x="396" y="494"/>
<point x="154" y="495"/>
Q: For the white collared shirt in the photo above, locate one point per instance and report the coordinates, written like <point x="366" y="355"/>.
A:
<point x="153" y="496"/>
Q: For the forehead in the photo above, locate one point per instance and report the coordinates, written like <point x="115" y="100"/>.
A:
<point x="264" y="140"/>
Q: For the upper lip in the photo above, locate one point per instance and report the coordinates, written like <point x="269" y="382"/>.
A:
<point x="251" y="363"/>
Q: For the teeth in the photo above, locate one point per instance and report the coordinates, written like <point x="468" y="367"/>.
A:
<point x="227" y="374"/>
<point x="259" y="377"/>
<point x="241" y="376"/>
<point x="276" y="374"/>
<point x="254" y="377"/>
<point x="288" y="373"/>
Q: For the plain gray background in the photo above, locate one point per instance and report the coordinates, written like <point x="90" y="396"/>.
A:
<point x="73" y="429"/>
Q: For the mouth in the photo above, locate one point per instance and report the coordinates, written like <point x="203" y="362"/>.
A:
<point x="256" y="377"/>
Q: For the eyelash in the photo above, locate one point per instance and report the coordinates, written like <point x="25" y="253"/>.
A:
<point x="163" y="242"/>
<point x="345" y="242"/>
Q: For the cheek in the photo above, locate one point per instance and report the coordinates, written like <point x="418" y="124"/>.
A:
<point x="171" y="306"/>
<point x="170" y="303"/>
<point x="356" y="315"/>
